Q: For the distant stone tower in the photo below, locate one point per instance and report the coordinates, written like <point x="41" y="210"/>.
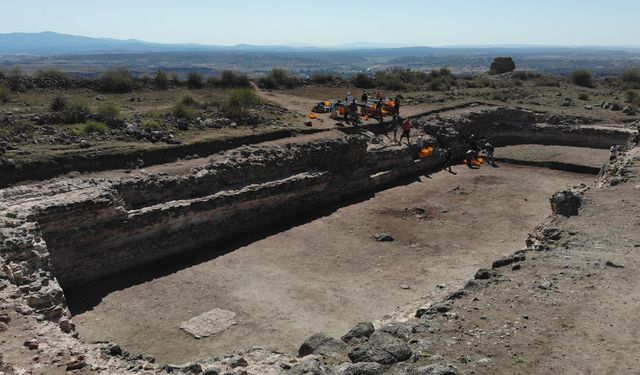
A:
<point x="502" y="65"/>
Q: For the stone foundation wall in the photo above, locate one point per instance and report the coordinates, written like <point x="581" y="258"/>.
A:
<point x="76" y="230"/>
<point x="138" y="221"/>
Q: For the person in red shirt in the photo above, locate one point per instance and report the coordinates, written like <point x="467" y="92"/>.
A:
<point x="406" y="131"/>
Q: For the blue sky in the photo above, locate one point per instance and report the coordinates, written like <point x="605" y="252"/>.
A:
<point x="330" y="22"/>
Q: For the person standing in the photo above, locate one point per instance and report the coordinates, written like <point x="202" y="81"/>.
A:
<point x="334" y="109"/>
<point x="488" y="147"/>
<point x="379" y="105"/>
<point x="353" y="110"/>
<point x="393" y="126"/>
<point x="447" y="159"/>
<point x="396" y="107"/>
<point x="364" y="99"/>
<point x="406" y="131"/>
<point x="613" y="153"/>
<point x="349" y="98"/>
<point x="420" y="143"/>
<point x="470" y="156"/>
<point x="471" y="140"/>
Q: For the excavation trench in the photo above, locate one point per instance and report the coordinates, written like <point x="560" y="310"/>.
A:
<point x="324" y="272"/>
<point x="320" y="269"/>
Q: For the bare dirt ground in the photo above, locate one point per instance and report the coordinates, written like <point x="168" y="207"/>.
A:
<point x="302" y="106"/>
<point x="591" y="157"/>
<point x="570" y="310"/>
<point x="328" y="273"/>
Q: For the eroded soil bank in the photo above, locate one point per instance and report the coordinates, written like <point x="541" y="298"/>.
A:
<point x="328" y="273"/>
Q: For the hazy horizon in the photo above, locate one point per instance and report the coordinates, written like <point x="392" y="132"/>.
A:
<point x="356" y="44"/>
<point x="569" y="23"/>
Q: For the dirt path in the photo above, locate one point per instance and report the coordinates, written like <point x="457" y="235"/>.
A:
<point x="302" y="106"/>
<point x="328" y="273"/>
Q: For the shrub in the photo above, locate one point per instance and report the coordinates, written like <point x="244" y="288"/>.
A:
<point x="23" y="127"/>
<point x="5" y="94"/>
<point x="362" y="81"/>
<point x="189" y="101"/>
<point x="582" y="78"/>
<point x="631" y="76"/>
<point x="631" y="79"/>
<point x="435" y="85"/>
<point x="182" y="111"/>
<point x="547" y="81"/>
<point x="243" y="98"/>
<point x="195" y="80"/>
<point x="238" y="101"/>
<point x="117" y="81"/>
<point x="525" y="75"/>
<point x="58" y="103"/>
<point x="498" y="96"/>
<point x="390" y="81"/>
<point x="482" y="82"/>
<point x="442" y="72"/>
<point x="322" y="78"/>
<point x="109" y="113"/>
<point x="175" y="78"/>
<point x="74" y="112"/>
<point x="93" y="126"/>
<point x="161" y="80"/>
<point x="230" y="79"/>
<point x="583" y="96"/>
<point x="401" y="79"/>
<point x="14" y="79"/>
<point x="439" y="85"/>
<point x="278" y="78"/>
<point x="631" y="96"/>
<point x="213" y="82"/>
<point x="153" y="125"/>
<point x="51" y="74"/>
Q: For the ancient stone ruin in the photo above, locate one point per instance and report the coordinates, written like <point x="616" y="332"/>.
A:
<point x="63" y="233"/>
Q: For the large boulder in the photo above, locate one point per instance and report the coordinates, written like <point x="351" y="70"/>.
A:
<point x="361" y="368"/>
<point x="382" y="348"/>
<point x="321" y="344"/>
<point x="502" y="65"/>
<point x="398" y="329"/>
<point x="360" y="331"/>
<point x="566" y="203"/>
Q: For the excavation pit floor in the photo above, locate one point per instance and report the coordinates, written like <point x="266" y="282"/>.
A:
<point x="327" y="273"/>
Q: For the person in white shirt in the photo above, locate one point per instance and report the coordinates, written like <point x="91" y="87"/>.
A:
<point x="349" y="98"/>
<point x="613" y="153"/>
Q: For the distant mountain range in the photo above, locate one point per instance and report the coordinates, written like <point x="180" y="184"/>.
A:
<point x="48" y="43"/>
<point x="51" y="43"/>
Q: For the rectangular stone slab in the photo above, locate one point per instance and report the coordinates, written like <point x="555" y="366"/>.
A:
<point x="209" y="323"/>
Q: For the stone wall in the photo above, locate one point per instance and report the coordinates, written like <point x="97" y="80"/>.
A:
<point x="81" y="229"/>
<point x="512" y="126"/>
<point x="135" y="221"/>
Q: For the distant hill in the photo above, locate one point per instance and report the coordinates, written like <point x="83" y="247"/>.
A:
<point x="47" y="43"/>
<point x="51" y="43"/>
<point x="88" y="56"/>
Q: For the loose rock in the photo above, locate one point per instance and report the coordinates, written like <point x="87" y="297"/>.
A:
<point x="382" y="348"/>
<point x="321" y="344"/>
<point x="361" y="330"/>
<point x="383" y="237"/>
<point x="436" y="369"/>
